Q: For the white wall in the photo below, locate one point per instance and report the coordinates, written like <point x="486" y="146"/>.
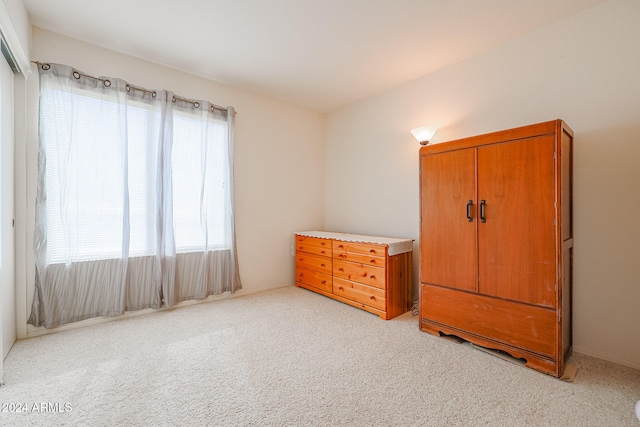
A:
<point x="585" y="70"/>
<point x="279" y="161"/>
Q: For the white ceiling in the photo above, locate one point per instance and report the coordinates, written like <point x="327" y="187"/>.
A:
<point x="319" y="54"/>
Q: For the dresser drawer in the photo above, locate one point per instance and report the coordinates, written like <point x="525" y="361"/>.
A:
<point x="361" y="259"/>
<point x="312" y="249"/>
<point x="313" y="241"/>
<point x="313" y="262"/>
<point x="313" y="278"/>
<point x="361" y="273"/>
<point x="367" y="295"/>
<point x="359" y="248"/>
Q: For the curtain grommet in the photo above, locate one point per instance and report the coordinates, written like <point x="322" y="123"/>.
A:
<point x="46" y="67"/>
<point x="107" y="83"/>
<point x="76" y="75"/>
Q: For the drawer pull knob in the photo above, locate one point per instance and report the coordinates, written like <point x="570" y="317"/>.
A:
<point x="372" y="277"/>
<point x="373" y="251"/>
<point x="323" y="282"/>
<point x="372" y="297"/>
<point x="322" y="244"/>
<point x="340" y="269"/>
<point x="340" y="246"/>
<point x="322" y="252"/>
<point x="321" y="265"/>
<point x="341" y="288"/>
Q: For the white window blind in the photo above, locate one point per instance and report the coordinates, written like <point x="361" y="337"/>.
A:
<point x="200" y="174"/>
<point x="86" y="189"/>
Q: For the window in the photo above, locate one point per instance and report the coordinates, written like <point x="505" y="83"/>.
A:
<point x="134" y="206"/>
<point x="200" y="183"/>
<point x="87" y="165"/>
<point x="84" y="179"/>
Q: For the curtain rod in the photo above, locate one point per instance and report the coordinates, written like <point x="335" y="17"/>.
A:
<point x="107" y="83"/>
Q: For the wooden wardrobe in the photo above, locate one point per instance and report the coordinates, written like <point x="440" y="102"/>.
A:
<point x="496" y="242"/>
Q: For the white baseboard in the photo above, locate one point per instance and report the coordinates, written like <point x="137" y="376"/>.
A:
<point x="608" y="358"/>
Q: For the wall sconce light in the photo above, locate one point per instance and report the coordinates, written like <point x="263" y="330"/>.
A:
<point x="423" y="134"/>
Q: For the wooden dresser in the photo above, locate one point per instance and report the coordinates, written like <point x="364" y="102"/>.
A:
<point x="368" y="272"/>
<point x="496" y="242"/>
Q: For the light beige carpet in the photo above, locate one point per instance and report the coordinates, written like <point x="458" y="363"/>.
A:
<point x="290" y="357"/>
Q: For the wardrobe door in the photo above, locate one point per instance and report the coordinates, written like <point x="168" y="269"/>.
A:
<point x="448" y="220"/>
<point x="517" y="255"/>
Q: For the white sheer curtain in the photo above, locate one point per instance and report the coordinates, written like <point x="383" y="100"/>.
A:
<point x="134" y="206"/>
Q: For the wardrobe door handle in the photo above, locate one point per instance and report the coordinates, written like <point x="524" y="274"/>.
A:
<point x="483" y="204"/>
<point x="469" y="204"/>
